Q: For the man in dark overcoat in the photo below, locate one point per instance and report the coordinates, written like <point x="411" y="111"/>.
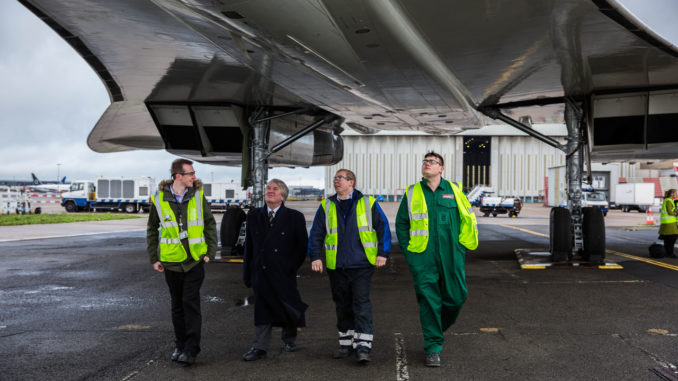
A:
<point x="275" y="248"/>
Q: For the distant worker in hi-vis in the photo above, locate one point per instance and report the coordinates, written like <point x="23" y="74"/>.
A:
<point x="354" y="233"/>
<point x="435" y="226"/>
<point x="668" y="230"/>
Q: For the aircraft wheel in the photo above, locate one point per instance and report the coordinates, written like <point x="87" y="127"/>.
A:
<point x="593" y="229"/>
<point x="560" y="234"/>
<point x="71" y="207"/>
<point x="230" y="227"/>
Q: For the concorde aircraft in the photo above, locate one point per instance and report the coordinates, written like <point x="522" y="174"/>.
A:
<point x="262" y="83"/>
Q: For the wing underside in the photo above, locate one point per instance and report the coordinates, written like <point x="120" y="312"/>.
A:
<point x="188" y="75"/>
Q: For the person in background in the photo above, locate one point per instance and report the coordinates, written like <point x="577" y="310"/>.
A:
<point x="668" y="230"/>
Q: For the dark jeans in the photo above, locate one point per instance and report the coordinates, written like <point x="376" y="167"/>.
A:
<point x="351" y="295"/>
<point x="669" y="241"/>
<point x="184" y="288"/>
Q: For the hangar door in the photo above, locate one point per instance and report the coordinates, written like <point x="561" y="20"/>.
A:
<point x="477" y="161"/>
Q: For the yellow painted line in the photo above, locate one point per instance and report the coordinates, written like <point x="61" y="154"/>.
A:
<point x="646" y="260"/>
<point x="528" y="267"/>
<point x="235" y="261"/>
<point x="524" y="230"/>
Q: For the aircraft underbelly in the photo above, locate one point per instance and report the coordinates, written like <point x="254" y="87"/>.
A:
<point x="382" y="64"/>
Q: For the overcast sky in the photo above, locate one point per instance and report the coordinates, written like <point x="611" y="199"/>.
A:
<point x="51" y="99"/>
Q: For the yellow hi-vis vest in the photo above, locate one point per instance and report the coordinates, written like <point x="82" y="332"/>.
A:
<point x="171" y="248"/>
<point x="665" y="217"/>
<point x="416" y="207"/>
<point x="368" y="236"/>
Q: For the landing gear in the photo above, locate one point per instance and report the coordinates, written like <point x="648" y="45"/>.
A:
<point x="231" y="224"/>
<point x="572" y="229"/>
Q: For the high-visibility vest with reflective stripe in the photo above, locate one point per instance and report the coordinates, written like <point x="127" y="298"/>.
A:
<point x="368" y="236"/>
<point x="418" y="211"/>
<point x="171" y="248"/>
<point x="665" y="217"/>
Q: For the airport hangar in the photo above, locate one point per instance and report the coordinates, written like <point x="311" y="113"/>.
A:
<point x="499" y="156"/>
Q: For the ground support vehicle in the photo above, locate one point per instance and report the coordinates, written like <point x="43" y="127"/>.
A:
<point x="222" y="196"/>
<point x="500" y="205"/>
<point x="635" y="196"/>
<point x="595" y="199"/>
<point x="113" y="194"/>
<point x="16" y="201"/>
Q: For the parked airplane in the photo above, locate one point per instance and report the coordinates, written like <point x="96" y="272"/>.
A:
<point x="269" y="82"/>
<point x="49" y="186"/>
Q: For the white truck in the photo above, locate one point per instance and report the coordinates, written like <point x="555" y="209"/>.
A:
<point x="635" y="196"/>
<point x="490" y="204"/>
<point x="113" y="193"/>
<point x="557" y="192"/>
<point x="221" y="196"/>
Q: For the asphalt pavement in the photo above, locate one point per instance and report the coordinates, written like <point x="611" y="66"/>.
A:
<point x="90" y="307"/>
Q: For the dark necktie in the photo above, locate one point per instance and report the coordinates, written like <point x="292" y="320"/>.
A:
<point x="271" y="215"/>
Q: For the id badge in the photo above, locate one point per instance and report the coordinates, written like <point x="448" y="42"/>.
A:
<point x="183" y="234"/>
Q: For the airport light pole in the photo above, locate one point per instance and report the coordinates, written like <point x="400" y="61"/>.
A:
<point x="58" y="174"/>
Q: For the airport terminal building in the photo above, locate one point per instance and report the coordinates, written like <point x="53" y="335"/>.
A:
<point x="499" y="156"/>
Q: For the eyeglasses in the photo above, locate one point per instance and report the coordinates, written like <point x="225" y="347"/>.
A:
<point x="337" y="178"/>
<point x="425" y="161"/>
<point x="187" y="173"/>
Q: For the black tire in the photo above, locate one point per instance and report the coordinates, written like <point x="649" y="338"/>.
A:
<point x="625" y="209"/>
<point x="593" y="229"/>
<point x="71" y="207"/>
<point x="130" y="208"/>
<point x="494" y="214"/>
<point x="37" y="210"/>
<point x="230" y="227"/>
<point x="486" y="215"/>
<point x="560" y="235"/>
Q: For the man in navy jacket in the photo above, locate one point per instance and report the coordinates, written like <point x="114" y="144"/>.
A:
<point x="350" y="262"/>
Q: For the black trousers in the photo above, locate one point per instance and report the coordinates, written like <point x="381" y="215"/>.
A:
<point x="184" y="288"/>
<point x="262" y="338"/>
<point x="351" y="295"/>
<point x="669" y="241"/>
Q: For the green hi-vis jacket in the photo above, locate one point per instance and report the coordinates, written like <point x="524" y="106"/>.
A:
<point x="419" y="224"/>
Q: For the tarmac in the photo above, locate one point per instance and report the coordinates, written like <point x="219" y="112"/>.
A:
<point x="88" y="306"/>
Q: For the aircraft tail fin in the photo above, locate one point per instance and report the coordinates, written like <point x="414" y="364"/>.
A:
<point x="63" y="181"/>
<point x="36" y="181"/>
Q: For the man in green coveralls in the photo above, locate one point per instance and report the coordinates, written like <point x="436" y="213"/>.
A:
<point x="435" y="225"/>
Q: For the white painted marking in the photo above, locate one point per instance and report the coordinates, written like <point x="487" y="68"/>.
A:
<point x="402" y="373"/>
<point x="129" y="376"/>
<point x="70" y="235"/>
